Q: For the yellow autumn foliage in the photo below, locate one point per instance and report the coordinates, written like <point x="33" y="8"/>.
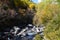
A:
<point x="31" y="5"/>
<point x="46" y="14"/>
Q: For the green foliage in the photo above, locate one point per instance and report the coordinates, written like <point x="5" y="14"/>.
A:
<point x="47" y="1"/>
<point x="38" y="37"/>
<point x="58" y="1"/>
<point x="52" y="31"/>
<point x="20" y="3"/>
<point x="36" y="19"/>
<point x="45" y="13"/>
<point x="48" y="13"/>
<point x="51" y="1"/>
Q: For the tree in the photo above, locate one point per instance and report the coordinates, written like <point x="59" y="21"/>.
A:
<point x="22" y="3"/>
<point x="45" y="13"/>
<point x="39" y="7"/>
<point x="49" y="15"/>
<point x="53" y="28"/>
